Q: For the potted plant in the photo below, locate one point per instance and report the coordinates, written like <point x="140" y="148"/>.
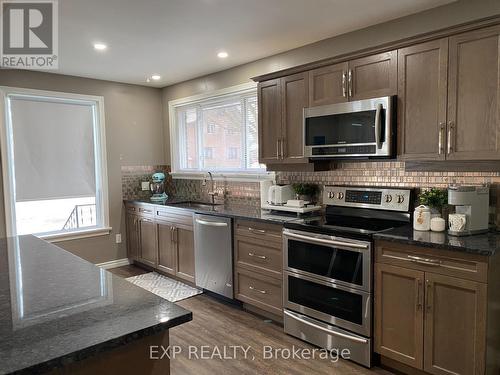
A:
<point x="305" y="192"/>
<point x="436" y="199"/>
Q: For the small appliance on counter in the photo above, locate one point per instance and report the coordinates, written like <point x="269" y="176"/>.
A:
<point x="281" y="198"/>
<point x="471" y="210"/>
<point x="157" y="187"/>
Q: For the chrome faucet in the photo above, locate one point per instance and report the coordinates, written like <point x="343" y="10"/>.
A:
<point x="212" y="191"/>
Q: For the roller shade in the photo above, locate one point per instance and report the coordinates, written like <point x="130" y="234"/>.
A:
<point x="53" y="148"/>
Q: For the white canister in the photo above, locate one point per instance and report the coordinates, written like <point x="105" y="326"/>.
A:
<point x="438" y="224"/>
<point x="422" y="218"/>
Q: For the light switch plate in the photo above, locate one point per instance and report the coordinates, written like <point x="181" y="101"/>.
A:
<point x="145" y="185"/>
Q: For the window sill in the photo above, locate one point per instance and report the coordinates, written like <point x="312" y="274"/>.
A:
<point x="60" y="237"/>
<point x="224" y="176"/>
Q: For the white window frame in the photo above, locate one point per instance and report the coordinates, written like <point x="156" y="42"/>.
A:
<point x="242" y="89"/>
<point x="101" y="165"/>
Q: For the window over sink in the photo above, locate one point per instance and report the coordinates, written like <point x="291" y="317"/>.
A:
<point x="54" y="164"/>
<point x="216" y="132"/>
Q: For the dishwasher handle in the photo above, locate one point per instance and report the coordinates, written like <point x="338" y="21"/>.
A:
<point x="211" y="223"/>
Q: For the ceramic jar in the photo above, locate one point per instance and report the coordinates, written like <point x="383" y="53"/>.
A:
<point x="422" y="218"/>
<point x="438" y="224"/>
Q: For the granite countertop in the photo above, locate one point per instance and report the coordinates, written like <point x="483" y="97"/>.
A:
<point x="56" y="308"/>
<point x="234" y="211"/>
<point x="480" y="244"/>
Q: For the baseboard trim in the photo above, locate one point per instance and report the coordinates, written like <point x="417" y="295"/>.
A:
<point x="114" y="263"/>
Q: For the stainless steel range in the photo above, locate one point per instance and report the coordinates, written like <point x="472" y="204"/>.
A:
<point x="328" y="262"/>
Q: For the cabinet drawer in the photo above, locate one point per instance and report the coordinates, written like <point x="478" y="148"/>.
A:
<point x="174" y="215"/>
<point x="260" y="230"/>
<point x="140" y="209"/>
<point x="260" y="291"/>
<point x="255" y="254"/>
<point x="444" y="262"/>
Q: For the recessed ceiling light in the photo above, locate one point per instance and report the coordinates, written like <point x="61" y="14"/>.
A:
<point x="100" y="46"/>
<point x="222" y="55"/>
<point x="155" y="77"/>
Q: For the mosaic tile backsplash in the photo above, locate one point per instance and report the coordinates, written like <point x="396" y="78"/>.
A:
<point x="239" y="193"/>
<point x="389" y="173"/>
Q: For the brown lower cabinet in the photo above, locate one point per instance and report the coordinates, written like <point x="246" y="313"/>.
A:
<point x="176" y="250"/>
<point x="147" y="242"/>
<point x="258" y="264"/>
<point x="425" y="318"/>
<point x="132" y="236"/>
<point x="162" y="238"/>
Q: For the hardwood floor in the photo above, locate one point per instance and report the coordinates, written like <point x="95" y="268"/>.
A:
<point x="128" y="271"/>
<point x="216" y="325"/>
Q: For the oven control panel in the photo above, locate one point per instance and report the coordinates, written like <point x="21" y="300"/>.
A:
<point x="378" y="198"/>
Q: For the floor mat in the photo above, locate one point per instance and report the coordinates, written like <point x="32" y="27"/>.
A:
<point x="169" y="289"/>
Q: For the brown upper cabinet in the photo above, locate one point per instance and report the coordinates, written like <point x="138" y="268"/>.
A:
<point x="328" y="85"/>
<point x="474" y="95"/>
<point x="281" y="107"/>
<point x="269" y="102"/>
<point x="363" y="78"/>
<point x="373" y="76"/>
<point x="449" y="98"/>
<point x="422" y="77"/>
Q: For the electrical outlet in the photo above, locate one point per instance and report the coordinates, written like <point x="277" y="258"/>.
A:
<point x="119" y="238"/>
<point x="145" y="185"/>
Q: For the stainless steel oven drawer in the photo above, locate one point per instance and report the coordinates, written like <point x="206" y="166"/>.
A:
<point x="328" y="337"/>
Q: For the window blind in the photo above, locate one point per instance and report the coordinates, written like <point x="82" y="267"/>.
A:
<point x="53" y="151"/>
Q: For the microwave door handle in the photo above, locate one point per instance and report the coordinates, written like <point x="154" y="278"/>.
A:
<point x="378" y="125"/>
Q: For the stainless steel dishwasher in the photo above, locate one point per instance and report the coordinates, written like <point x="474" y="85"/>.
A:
<point x="213" y="248"/>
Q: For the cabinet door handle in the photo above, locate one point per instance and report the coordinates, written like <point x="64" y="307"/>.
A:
<point x="426" y="261"/>
<point x="428" y="296"/>
<point x="257" y="256"/>
<point x="350" y="82"/>
<point x="344" y="88"/>
<point x="418" y="296"/>
<point x="257" y="290"/>
<point x="282" y="148"/>
<point x="441" y="136"/>
<point x="259" y="231"/>
<point x="450" y="136"/>
<point x="171" y="234"/>
<point x="176" y="234"/>
<point x="278" y="148"/>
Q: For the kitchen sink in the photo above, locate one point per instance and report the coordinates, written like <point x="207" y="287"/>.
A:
<point x="193" y="204"/>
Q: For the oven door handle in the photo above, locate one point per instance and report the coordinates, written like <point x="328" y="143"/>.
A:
<point x="326" y="242"/>
<point x="378" y="125"/>
<point x="326" y="330"/>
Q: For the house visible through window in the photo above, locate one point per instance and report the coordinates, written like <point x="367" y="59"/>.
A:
<point x="223" y="127"/>
<point x="211" y="128"/>
<point x="209" y="153"/>
<point x="232" y="153"/>
<point x="54" y="160"/>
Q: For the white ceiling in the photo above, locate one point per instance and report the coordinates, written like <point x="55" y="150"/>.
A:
<point x="179" y="39"/>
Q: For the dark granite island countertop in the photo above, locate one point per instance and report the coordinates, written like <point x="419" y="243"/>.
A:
<point x="56" y="308"/>
<point x="485" y="244"/>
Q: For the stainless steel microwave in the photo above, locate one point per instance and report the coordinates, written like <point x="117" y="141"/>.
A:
<point x="357" y="129"/>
